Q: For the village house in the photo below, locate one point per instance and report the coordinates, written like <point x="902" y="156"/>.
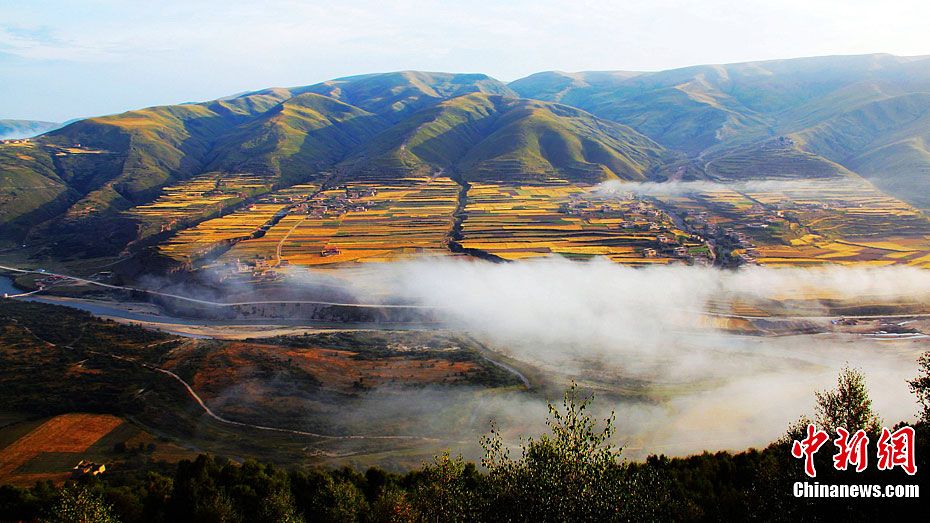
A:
<point x="87" y="468"/>
<point x="662" y="238"/>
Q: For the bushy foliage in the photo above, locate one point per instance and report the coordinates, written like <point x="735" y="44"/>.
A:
<point x="920" y="386"/>
<point x="79" y="504"/>
<point x="571" y="473"/>
<point x="848" y="405"/>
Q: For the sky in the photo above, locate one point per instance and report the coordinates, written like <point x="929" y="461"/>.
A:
<point x="65" y="59"/>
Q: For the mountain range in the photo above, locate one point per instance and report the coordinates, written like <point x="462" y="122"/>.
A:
<point x="14" y="129"/>
<point x="865" y="115"/>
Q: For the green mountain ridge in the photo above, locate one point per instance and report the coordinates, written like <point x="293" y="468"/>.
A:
<point x="399" y="94"/>
<point x="862" y="114"/>
<point x="492" y="137"/>
<point x="296" y="138"/>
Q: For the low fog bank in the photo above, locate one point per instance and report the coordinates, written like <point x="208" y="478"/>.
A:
<point x="684" y="188"/>
<point x="611" y="328"/>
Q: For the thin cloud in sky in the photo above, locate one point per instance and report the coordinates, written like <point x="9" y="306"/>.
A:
<point x="61" y="59"/>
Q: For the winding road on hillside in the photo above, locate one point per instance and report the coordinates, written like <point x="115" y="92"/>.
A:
<point x="209" y="412"/>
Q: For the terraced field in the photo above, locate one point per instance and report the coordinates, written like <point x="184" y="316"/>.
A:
<point x="200" y="197"/>
<point x="197" y="241"/>
<point x="532" y="221"/>
<point x="843" y="221"/>
<point x="360" y="222"/>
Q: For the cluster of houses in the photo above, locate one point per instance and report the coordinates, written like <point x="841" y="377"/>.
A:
<point x="16" y="141"/>
<point x="670" y="246"/>
<point x="743" y="243"/>
<point x="640" y="216"/>
<point x="781" y="142"/>
<point x="260" y="268"/>
<point x="336" y="205"/>
<point x="700" y="223"/>
<point x="48" y="281"/>
<point x="86" y="468"/>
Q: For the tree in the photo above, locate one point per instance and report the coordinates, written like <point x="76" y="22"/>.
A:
<point x="796" y="431"/>
<point x="444" y="492"/>
<point x="848" y="405"/>
<point x="392" y="506"/>
<point x="78" y="504"/>
<point x="921" y="386"/>
<point x="278" y="507"/>
<point x="574" y="474"/>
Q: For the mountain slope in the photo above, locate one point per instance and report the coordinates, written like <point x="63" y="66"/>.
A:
<point x="396" y="95"/>
<point x="111" y="163"/>
<point x="798" y="119"/>
<point x="500" y="138"/>
<point x="700" y="107"/>
<point x="296" y="138"/>
<point x="30" y="189"/>
<point x="101" y="166"/>
<point x="569" y="88"/>
<point x="886" y="141"/>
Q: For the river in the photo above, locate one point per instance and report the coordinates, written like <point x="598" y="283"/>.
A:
<point x="150" y="316"/>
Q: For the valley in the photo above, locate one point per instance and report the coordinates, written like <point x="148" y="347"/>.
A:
<point x="368" y="270"/>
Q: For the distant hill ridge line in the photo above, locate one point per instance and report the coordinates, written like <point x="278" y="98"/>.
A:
<point x="864" y="113"/>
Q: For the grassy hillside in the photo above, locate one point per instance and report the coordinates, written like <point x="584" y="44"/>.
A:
<point x="868" y="114"/>
<point x="102" y="166"/>
<point x="114" y="162"/>
<point x="535" y="138"/>
<point x="295" y="139"/>
<point x="901" y="169"/>
<point x="569" y="88"/>
<point x="885" y="141"/>
<point x="396" y="95"/>
<point x="509" y="139"/>
<point x="30" y="189"/>
<point x="695" y="108"/>
<point x="771" y="160"/>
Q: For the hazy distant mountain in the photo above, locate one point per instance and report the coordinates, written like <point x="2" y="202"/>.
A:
<point x="10" y="129"/>
<point x="697" y="107"/>
<point x="825" y="116"/>
<point x="865" y="112"/>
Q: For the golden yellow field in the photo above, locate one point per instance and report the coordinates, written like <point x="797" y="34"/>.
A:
<point x="837" y="221"/>
<point x="197" y="241"/>
<point x="532" y="221"/>
<point x="181" y="205"/>
<point x="360" y="222"/>
<point x="67" y="433"/>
